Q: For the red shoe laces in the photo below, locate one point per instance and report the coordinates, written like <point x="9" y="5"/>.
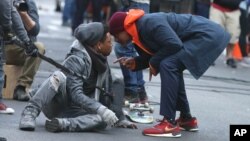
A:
<point x="163" y="123"/>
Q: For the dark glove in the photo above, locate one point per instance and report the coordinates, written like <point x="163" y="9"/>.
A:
<point x="31" y="49"/>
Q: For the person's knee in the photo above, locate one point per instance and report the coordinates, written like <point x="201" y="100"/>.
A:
<point x="40" y="46"/>
<point x="172" y="64"/>
<point x="166" y="65"/>
<point x="56" y="80"/>
<point x="116" y="78"/>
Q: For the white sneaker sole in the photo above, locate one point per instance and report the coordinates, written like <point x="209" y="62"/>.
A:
<point x="169" y="135"/>
<point x="190" y="130"/>
<point x="7" y="111"/>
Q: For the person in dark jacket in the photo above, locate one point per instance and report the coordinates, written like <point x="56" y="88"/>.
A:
<point x="70" y="100"/>
<point x="227" y="13"/>
<point x="178" y="42"/>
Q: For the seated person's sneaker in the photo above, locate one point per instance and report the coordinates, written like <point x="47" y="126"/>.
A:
<point x="28" y="118"/>
<point x="132" y="97"/>
<point x="5" y="110"/>
<point x="188" y="124"/>
<point x="163" y="129"/>
<point x="20" y="94"/>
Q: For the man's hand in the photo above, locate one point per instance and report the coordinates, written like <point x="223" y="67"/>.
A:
<point x="31" y="49"/>
<point x="152" y="71"/>
<point x="128" y="62"/>
<point x="107" y="115"/>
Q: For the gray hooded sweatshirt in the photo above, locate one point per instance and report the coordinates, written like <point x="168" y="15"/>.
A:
<point x="79" y="61"/>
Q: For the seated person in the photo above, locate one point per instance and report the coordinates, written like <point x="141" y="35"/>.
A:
<point x="68" y="99"/>
<point x="16" y="55"/>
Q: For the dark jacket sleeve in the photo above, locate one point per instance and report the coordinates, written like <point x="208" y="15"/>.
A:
<point x="141" y="61"/>
<point x="75" y="83"/>
<point x="167" y="40"/>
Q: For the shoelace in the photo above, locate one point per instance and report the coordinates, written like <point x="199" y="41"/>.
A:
<point x="162" y="123"/>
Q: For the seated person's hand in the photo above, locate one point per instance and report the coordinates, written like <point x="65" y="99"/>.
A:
<point x="126" y="124"/>
<point x="107" y="115"/>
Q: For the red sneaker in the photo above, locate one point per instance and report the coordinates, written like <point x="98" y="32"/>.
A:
<point x="188" y="125"/>
<point x="163" y="129"/>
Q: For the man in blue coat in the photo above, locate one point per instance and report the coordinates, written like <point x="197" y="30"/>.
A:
<point x="168" y="47"/>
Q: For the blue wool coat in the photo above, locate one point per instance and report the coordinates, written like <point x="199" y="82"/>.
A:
<point x="197" y="40"/>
